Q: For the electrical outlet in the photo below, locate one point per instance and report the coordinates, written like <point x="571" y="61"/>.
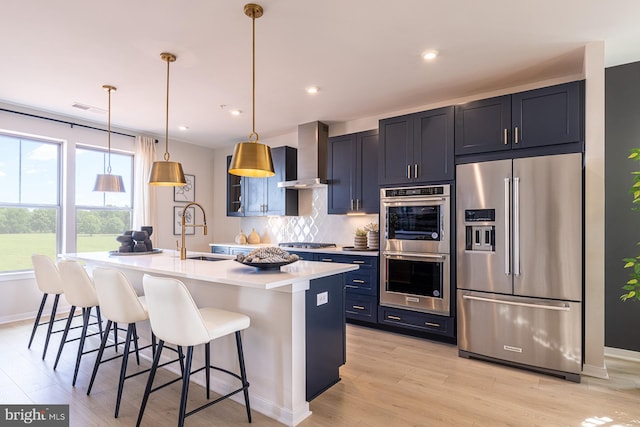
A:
<point x="322" y="298"/>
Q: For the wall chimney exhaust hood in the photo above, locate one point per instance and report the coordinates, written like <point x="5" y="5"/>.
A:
<point x="312" y="157"/>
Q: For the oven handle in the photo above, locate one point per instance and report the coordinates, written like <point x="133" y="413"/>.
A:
<point x="401" y="201"/>
<point x="399" y="255"/>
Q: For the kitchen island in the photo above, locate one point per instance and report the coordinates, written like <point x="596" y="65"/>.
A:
<point x="290" y="309"/>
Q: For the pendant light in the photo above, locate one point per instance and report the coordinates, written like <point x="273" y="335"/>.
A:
<point x="166" y="172"/>
<point x="108" y="182"/>
<point x="252" y="158"/>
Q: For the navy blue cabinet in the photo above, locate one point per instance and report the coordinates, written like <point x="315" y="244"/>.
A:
<point x="352" y="171"/>
<point x="535" y="118"/>
<point x="361" y="285"/>
<point x="417" y="148"/>
<point x="262" y="196"/>
<point x="325" y="334"/>
<point x="416" y="321"/>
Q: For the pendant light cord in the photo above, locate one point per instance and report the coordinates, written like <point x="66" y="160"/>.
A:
<point x="254" y="134"/>
<point x="166" y="146"/>
<point x="109" y="133"/>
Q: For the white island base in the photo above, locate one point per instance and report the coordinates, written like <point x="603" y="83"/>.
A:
<point x="274" y="344"/>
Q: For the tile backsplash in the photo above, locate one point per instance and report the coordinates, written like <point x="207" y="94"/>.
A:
<point x="312" y="225"/>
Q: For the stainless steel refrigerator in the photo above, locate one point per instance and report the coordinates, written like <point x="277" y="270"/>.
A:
<point x="520" y="262"/>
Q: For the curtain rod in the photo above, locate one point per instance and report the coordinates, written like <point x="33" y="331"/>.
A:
<point x="65" y="122"/>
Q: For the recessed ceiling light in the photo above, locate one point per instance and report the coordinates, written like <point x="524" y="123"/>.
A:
<point x="236" y="112"/>
<point x="430" y="55"/>
<point x="183" y="127"/>
<point x="312" y="90"/>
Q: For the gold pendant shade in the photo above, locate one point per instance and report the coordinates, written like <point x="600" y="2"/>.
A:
<point x="252" y="158"/>
<point x="107" y="182"/>
<point x="166" y="172"/>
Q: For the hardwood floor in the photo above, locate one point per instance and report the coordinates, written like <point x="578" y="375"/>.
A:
<point x="389" y="380"/>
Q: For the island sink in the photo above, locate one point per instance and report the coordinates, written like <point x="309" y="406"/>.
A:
<point x="206" y="258"/>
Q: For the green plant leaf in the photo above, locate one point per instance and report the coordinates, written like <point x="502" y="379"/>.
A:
<point x="628" y="287"/>
<point x="632" y="282"/>
<point x="629" y="264"/>
<point x="633" y="155"/>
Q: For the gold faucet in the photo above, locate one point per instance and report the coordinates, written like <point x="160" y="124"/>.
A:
<point x="183" y="249"/>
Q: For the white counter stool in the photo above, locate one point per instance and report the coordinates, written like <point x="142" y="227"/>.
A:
<point x="49" y="282"/>
<point x="119" y="303"/>
<point x="176" y="319"/>
<point x="79" y="292"/>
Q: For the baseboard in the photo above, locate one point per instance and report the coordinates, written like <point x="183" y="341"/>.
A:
<point x="620" y="353"/>
<point x="595" y="371"/>
<point x="31" y="315"/>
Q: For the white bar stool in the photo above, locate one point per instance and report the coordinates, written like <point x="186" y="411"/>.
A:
<point x="79" y="292"/>
<point x="119" y="303"/>
<point x="176" y="319"/>
<point x="49" y="282"/>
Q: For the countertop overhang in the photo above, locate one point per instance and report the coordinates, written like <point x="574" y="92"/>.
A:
<point x="226" y="271"/>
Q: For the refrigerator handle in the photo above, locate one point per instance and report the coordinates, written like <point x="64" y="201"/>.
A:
<point x="507" y="237"/>
<point x="563" y="307"/>
<point x="516" y="226"/>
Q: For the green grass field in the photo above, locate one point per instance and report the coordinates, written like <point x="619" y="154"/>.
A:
<point x="16" y="249"/>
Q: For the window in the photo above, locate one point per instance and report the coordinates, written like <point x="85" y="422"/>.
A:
<point x="29" y="201"/>
<point x="101" y="216"/>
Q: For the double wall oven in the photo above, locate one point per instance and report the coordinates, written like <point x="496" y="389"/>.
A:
<point x="415" y="242"/>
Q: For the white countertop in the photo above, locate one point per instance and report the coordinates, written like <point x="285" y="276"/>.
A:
<point x="344" y="250"/>
<point x="226" y="271"/>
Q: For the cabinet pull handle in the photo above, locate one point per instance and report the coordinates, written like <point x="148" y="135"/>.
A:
<point x="357" y="204"/>
<point x="393" y="318"/>
<point x="433" y="325"/>
<point x="351" y="204"/>
<point x="358" y="307"/>
<point x="327" y="260"/>
<point x="357" y="281"/>
<point x="350" y="286"/>
<point x="504" y="138"/>
<point x="516" y="135"/>
<point x="415" y="171"/>
<point x="358" y="262"/>
<point x="408" y="171"/>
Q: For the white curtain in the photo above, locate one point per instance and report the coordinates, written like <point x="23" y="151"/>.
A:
<point x="144" y="202"/>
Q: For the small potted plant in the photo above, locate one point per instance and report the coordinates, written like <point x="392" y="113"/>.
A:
<point x="360" y="239"/>
<point x="372" y="235"/>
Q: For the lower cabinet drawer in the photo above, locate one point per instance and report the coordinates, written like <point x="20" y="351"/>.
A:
<point x="361" y="307"/>
<point x="416" y="320"/>
<point x="362" y="281"/>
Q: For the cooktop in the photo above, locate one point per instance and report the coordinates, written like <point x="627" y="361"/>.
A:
<point x="307" y="245"/>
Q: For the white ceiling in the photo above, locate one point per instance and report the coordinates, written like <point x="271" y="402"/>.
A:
<point x="364" y="55"/>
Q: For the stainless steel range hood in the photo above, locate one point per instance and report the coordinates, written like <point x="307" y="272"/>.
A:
<point x="312" y="157"/>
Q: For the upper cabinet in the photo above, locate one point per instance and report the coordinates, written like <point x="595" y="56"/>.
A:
<point x="535" y="118"/>
<point x="352" y="171"/>
<point x="417" y="148"/>
<point x="262" y="196"/>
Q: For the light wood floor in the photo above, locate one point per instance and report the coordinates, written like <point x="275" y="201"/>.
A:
<point x="389" y="380"/>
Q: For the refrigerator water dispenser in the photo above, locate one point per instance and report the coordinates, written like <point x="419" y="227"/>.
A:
<point x="480" y="230"/>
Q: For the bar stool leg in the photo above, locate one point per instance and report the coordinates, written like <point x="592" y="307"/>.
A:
<point x="135" y="343"/>
<point x="99" y="316"/>
<point x="37" y="322"/>
<point x="85" y="325"/>
<point x="152" y="374"/>
<point x="207" y="366"/>
<point x="50" y="327"/>
<point x="243" y="374"/>
<point x="115" y="336"/>
<point x="64" y="335"/>
<point x="181" y="357"/>
<point x="185" y="386"/>
<point x="103" y="343"/>
<point x="123" y="369"/>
